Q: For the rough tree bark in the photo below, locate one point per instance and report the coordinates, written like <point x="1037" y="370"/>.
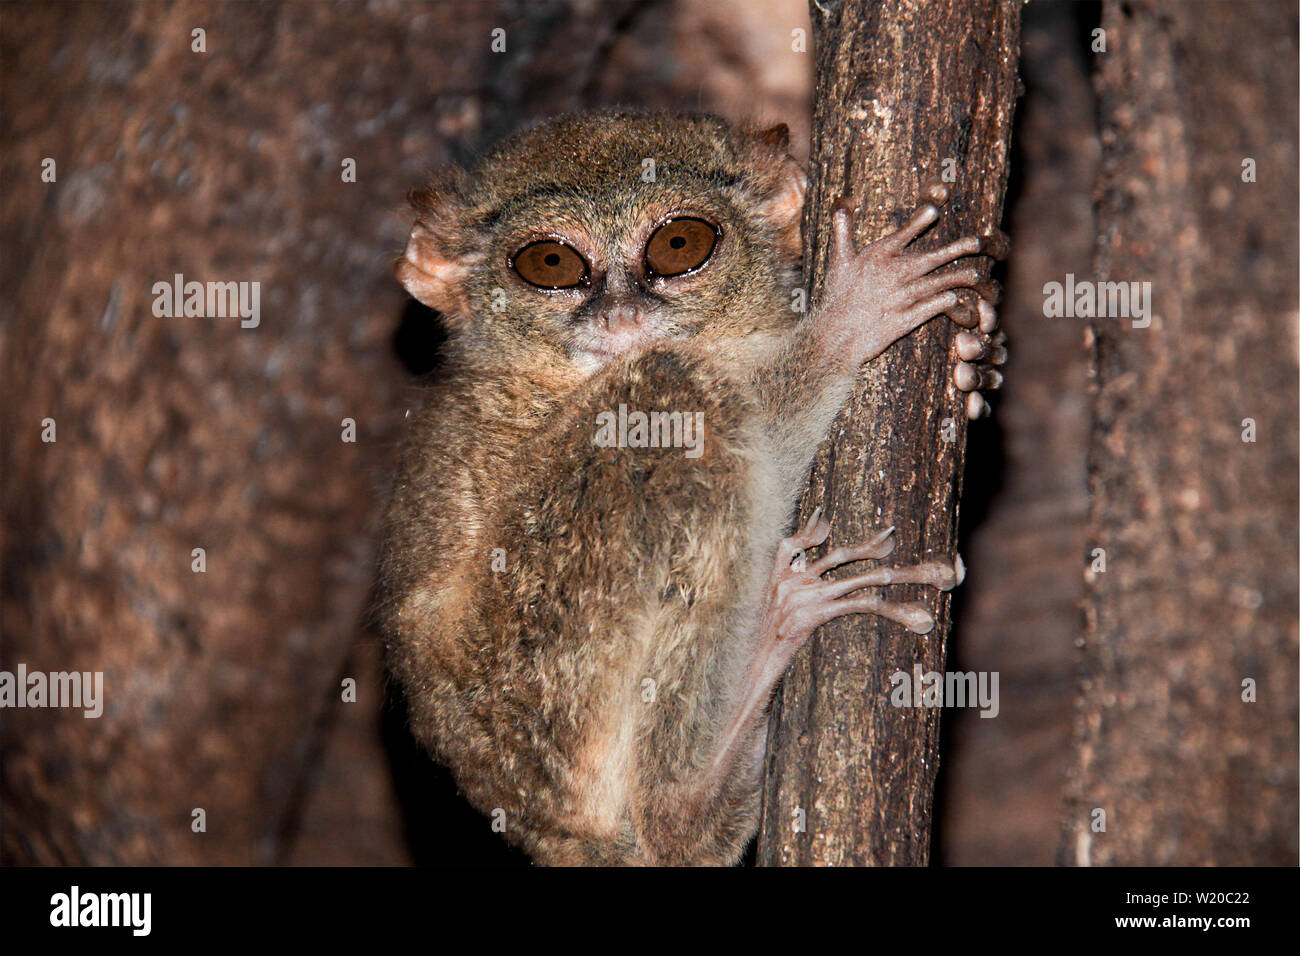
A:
<point x="1198" y="525"/>
<point x="901" y="88"/>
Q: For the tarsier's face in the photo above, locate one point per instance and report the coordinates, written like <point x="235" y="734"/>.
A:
<point x="599" y="234"/>
<point x="621" y="296"/>
<point x="599" y="287"/>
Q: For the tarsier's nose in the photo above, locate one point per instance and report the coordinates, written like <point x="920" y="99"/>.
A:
<point x="620" y="316"/>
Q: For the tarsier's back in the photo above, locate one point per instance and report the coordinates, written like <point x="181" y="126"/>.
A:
<point x="584" y="588"/>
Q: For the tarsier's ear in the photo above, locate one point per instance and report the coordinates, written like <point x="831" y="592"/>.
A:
<point x="777" y="137"/>
<point x="434" y="266"/>
<point x="784" y="203"/>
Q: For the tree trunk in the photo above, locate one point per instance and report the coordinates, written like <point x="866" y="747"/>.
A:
<point x="902" y="89"/>
<point x="1197" y="522"/>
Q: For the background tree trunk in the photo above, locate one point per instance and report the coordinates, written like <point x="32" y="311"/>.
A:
<point x="1199" y="592"/>
<point x="900" y="89"/>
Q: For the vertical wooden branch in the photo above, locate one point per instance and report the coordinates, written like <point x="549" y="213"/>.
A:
<point x="904" y="91"/>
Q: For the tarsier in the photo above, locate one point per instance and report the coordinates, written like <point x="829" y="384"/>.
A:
<point x="589" y="632"/>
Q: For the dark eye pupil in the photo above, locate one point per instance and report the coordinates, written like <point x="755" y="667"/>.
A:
<point x="676" y="242"/>
<point x="552" y="260"/>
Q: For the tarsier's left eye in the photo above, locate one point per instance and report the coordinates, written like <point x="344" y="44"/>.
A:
<point x="680" y="246"/>
<point x="551" y="265"/>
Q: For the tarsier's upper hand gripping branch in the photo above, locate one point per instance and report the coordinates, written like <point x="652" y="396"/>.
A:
<point x="589" y="630"/>
<point x="874" y="297"/>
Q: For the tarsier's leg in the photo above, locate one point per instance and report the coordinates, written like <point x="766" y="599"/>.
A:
<point x="798" y="600"/>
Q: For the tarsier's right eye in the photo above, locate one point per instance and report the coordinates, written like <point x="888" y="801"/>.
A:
<point x="551" y="265"/>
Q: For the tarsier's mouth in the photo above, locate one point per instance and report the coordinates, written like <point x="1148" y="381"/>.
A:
<point x="591" y="358"/>
<point x="602" y="345"/>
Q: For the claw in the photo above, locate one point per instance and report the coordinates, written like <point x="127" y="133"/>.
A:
<point x="814" y="531"/>
<point x="798" y="601"/>
<point x="813" y="519"/>
<point x="877" y="546"/>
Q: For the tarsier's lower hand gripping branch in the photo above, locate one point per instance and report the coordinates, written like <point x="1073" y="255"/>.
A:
<point x="586" y="588"/>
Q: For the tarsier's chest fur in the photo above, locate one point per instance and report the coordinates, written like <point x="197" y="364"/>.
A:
<point x="587" y="614"/>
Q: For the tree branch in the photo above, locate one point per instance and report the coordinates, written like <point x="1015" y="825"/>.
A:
<point x="903" y="92"/>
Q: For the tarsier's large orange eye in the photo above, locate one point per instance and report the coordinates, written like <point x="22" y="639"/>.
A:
<point x="680" y="246"/>
<point x="551" y="265"/>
